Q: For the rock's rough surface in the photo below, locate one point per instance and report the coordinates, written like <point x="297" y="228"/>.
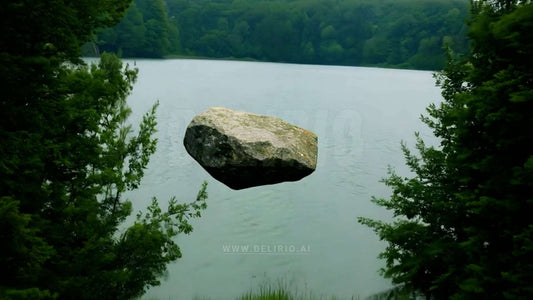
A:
<point x="244" y="150"/>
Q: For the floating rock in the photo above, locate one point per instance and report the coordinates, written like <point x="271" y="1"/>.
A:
<point x="243" y="150"/>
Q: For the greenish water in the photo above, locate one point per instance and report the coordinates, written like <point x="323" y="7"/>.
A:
<point x="304" y="233"/>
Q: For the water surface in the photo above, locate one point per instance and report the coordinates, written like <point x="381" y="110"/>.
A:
<point x="305" y="232"/>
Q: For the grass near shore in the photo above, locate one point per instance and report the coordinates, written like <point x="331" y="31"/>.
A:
<point x="281" y="294"/>
<point x="269" y="293"/>
<point x="282" y="291"/>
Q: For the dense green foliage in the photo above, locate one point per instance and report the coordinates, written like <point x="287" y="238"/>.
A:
<point x="462" y="228"/>
<point x="405" y="33"/>
<point x="145" y="31"/>
<point x="67" y="156"/>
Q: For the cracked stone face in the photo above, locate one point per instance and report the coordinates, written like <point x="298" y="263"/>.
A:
<point x="243" y="150"/>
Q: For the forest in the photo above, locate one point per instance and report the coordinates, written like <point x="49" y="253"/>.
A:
<point x="460" y="228"/>
<point x="386" y="33"/>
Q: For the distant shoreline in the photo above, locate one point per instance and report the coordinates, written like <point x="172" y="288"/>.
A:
<point x="249" y="59"/>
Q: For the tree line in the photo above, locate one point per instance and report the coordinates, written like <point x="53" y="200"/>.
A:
<point x="460" y="228"/>
<point x="403" y="34"/>
<point x="67" y="157"/>
<point x="145" y="31"/>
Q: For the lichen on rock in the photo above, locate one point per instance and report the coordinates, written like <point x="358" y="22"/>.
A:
<point x="243" y="149"/>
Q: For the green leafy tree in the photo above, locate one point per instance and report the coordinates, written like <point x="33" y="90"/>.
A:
<point x="66" y="158"/>
<point x="126" y="37"/>
<point x="275" y="36"/>
<point x="156" y="43"/>
<point x="461" y="229"/>
<point x="145" y="31"/>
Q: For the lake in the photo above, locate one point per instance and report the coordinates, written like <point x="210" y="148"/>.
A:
<point x="303" y="234"/>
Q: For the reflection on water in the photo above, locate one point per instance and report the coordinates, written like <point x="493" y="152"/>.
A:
<point x="360" y="116"/>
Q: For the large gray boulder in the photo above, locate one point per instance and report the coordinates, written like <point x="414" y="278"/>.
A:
<point x="243" y="150"/>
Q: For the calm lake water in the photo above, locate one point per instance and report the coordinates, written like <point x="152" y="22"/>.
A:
<point x="304" y="233"/>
